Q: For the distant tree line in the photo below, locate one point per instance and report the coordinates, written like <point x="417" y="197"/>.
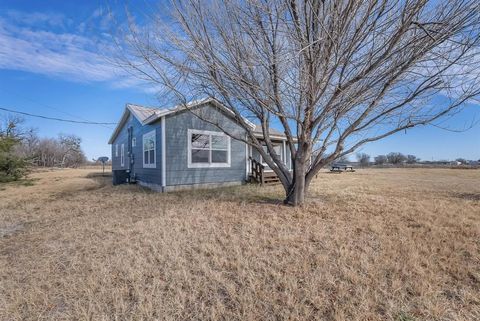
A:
<point x="21" y="147"/>
<point x="394" y="158"/>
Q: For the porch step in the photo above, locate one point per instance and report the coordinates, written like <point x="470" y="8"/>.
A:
<point x="270" y="178"/>
<point x="272" y="181"/>
<point x="259" y="175"/>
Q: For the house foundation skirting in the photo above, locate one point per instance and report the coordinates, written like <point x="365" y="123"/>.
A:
<point x="173" y="188"/>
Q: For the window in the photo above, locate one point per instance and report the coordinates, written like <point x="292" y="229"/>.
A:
<point x="116" y="150"/>
<point x="134" y="142"/>
<point x="122" y="155"/>
<point x="149" y="146"/>
<point x="208" y="149"/>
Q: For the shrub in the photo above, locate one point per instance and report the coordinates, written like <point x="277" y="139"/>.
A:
<point x="12" y="167"/>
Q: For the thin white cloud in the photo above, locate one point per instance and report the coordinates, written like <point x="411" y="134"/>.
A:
<point x="38" y="18"/>
<point x="69" y="56"/>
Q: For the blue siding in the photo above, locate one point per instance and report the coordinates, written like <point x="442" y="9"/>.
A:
<point x="178" y="173"/>
<point x="148" y="175"/>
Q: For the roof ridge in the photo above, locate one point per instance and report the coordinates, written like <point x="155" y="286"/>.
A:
<point x="142" y="106"/>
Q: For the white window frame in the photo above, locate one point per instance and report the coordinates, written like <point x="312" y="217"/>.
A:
<point x="122" y="155"/>
<point x="147" y="136"/>
<point x="210" y="164"/>
<point x="116" y="150"/>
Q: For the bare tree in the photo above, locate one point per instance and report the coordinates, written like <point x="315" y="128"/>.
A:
<point x="380" y="159"/>
<point x="64" y="151"/>
<point x="412" y="159"/>
<point x="11" y="126"/>
<point x="363" y="159"/>
<point x="71" y="151"/>
<point x="396" y="158"/>
<point x="334" y="75"/>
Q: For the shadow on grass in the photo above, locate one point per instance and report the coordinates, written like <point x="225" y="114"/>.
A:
<point x="247" y="193"/>
<point x="102" y="179"/>
<point x="243" y="194"/>
<point x="467" y="196"/>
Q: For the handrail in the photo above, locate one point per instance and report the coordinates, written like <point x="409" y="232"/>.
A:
<point x="257" y="171"/>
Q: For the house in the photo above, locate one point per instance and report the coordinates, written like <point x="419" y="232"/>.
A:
<point x="171" y="149"/>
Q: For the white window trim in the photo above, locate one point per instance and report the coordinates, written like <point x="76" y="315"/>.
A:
<point x="147" y="135"/>
<point x="207" y="165"/>
<point x="116" y="150"/>
<point x="122" y="155"/>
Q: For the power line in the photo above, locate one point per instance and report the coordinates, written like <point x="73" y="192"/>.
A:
<point x="57" y="119"/>
<point x="48" y="106"/>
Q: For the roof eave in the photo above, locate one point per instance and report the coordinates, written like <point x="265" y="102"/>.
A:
<point x="120" y="124"/>
<point x="281" y="137"/>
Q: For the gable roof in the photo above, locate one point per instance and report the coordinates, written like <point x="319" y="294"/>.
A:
<point x="148" y="115"/>
<point x="140" y="112"/>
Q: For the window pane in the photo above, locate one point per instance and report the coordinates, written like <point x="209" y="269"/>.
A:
<point x="145" y="157"/>
<point x="200" y="156"/>
<point x="152" y="156"/>
<point x="151" y="143"/>
<point x="219" y="142"/>
<point x="219" y="156"/>
<point x="200" y="141"/>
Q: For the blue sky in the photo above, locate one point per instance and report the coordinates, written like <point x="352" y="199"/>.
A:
<point x="50" y="64"/>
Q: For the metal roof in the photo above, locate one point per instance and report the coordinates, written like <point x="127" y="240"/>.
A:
<point x="148" y="115"/>
<point x="271" y="131"/>
<point x="141" y="112"/>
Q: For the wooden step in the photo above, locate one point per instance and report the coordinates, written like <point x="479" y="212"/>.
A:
<point x="270" y="178"/>
<point x="272" y="182"/>
<point x="269" y="174"/>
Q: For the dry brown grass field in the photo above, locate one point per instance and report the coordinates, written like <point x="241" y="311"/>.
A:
<point x="386" y="244"/>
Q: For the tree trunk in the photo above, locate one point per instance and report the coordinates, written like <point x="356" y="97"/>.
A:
<point x="295" y="195"/>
